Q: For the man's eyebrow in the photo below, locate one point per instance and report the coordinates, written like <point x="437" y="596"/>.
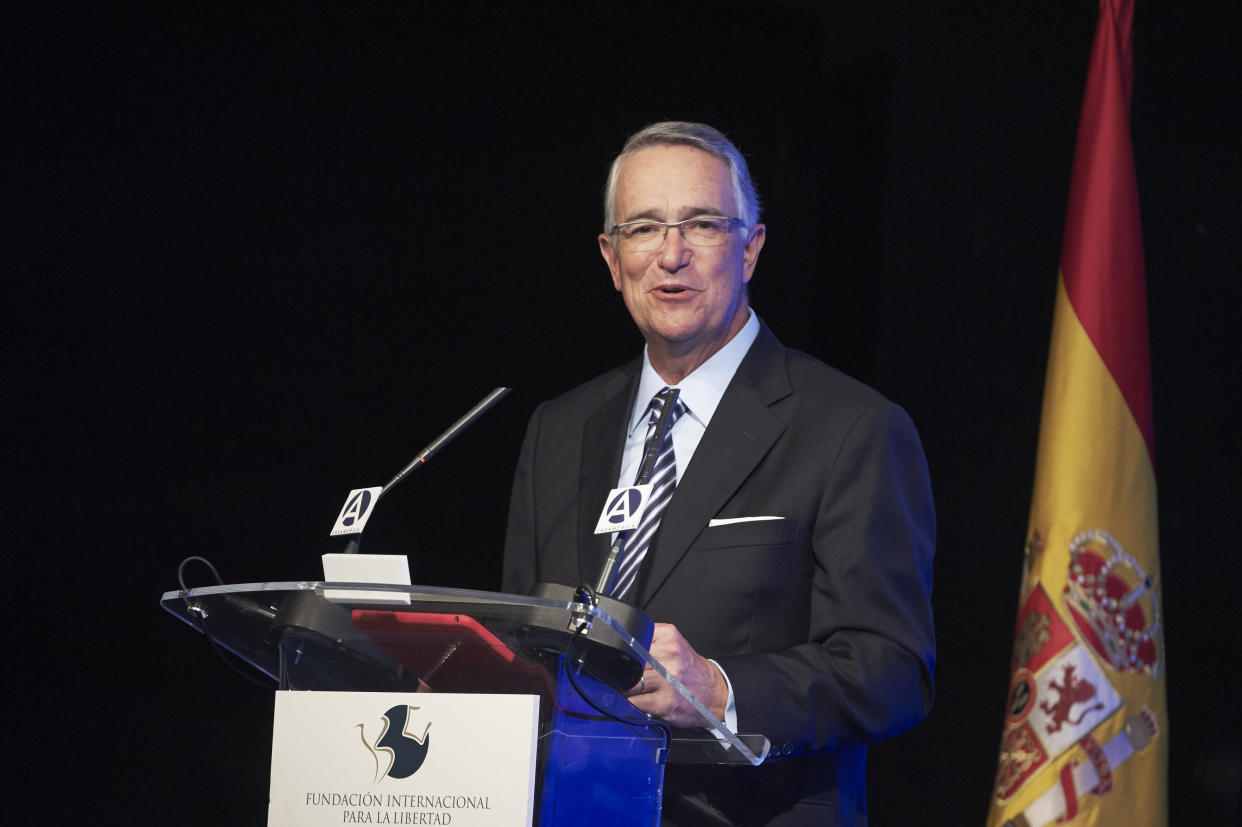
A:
<point x="691" y="212"/>
<point x="645" y="215"/>
<point x="684" y="213"/>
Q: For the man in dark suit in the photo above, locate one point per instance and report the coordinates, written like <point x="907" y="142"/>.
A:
<point x="790" y="573"/>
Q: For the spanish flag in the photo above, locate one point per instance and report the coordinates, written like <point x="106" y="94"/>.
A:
<point x="1086" y="728"/>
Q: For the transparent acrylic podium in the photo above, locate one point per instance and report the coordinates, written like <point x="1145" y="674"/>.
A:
<point x="599" y="758"/>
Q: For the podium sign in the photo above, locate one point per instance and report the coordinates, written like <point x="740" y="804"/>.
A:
<point x="403" y="758"/>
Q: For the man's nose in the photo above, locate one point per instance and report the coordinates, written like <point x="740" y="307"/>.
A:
<point x="675" y="250"/>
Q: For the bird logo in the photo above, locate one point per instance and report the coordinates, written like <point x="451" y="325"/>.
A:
<point x="397" y="750"/>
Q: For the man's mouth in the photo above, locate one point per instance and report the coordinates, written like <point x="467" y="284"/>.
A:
<point x="671" y="289"/>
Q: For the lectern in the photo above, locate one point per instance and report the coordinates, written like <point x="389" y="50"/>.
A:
<point x="598" y="759"/>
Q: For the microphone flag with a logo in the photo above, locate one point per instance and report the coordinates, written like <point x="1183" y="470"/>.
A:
<point x="1085" y="735"/>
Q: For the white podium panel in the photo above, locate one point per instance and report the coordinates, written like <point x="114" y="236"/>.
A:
<point x="398" y="758"/>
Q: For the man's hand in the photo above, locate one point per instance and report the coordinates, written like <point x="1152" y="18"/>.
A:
<point x="655" y="696"/>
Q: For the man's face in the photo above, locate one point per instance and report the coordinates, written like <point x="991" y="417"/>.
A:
<point x="688" y="301"/>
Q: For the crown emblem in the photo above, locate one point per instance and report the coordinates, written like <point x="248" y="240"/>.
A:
<point x="1113" y="604"/>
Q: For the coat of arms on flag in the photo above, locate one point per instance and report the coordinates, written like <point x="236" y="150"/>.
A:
<point x="1060" y="693"/>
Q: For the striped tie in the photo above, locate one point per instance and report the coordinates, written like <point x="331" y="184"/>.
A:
<point x="663" y="480"/>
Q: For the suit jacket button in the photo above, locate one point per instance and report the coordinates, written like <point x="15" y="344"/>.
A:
<point x="787" y="749"/>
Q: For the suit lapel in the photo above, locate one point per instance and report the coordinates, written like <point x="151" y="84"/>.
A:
<point x="603" y="441"/>
<point x="742" y="431"/>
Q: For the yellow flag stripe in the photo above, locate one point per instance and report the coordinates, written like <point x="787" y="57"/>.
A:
<point x="1093" y="473"/>
<point x="1092" y="468"/>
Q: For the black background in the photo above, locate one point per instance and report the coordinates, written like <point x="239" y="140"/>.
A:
<point x="255" y="256"/>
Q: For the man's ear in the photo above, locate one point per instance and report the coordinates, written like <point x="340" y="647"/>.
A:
<point x="750" y="257"/>
<point x="609" y="252"/>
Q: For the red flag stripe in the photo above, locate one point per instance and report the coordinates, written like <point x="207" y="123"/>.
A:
<point x="1102" y="252"/>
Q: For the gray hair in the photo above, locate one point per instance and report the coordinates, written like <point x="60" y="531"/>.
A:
<point x="697" y="135"/>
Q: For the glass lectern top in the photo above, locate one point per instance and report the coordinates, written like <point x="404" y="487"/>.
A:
<point x="418" y="639"/>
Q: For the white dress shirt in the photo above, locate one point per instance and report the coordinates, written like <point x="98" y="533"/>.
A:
<point x="701" y="392"/>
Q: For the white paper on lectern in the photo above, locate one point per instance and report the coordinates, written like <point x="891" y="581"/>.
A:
<point x="385" y="569"/>
<point x="478" y="770"/>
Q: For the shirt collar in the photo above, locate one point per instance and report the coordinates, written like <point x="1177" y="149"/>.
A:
<point x="702" y="389"/>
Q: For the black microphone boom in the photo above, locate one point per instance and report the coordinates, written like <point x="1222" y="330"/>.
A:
<point x="433" y="448"/>
<point x="445" y="438"/>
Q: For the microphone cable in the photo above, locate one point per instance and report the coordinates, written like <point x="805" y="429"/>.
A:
<point x="230" y="660"/>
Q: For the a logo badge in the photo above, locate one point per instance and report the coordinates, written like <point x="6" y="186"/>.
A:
<point x="399" y="750"/>
<point x="356" y="511"/>
<point x="623" y="509"/>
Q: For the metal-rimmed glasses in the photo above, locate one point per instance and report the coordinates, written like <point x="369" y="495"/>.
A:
<point x="701" y="231"/>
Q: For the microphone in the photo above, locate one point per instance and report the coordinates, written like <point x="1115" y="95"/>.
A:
<point x="605" y="585"/>
<point x="361" y="503"/>
<point x="599" y="648"/>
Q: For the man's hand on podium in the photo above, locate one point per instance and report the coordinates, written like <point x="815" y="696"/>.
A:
<point x="655" y="696"/>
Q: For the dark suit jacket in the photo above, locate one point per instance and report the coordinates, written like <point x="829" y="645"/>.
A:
<point x="822" y="620"/>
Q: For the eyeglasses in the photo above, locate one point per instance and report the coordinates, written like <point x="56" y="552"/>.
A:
<point x="701" y="231"/>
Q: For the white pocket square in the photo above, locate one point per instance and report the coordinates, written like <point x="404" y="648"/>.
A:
<point x="732" y="520"/>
